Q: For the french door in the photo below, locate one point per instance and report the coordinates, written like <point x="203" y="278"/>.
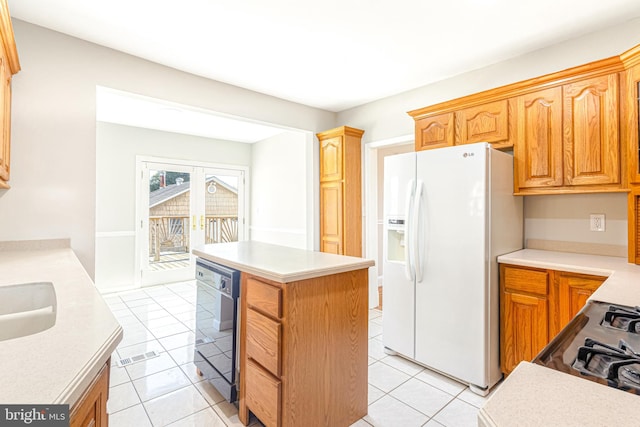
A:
<point x="182" y="206"/>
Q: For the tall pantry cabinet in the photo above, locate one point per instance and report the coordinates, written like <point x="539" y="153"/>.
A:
<point x="9" y="65"/>
<point x="341" y="191"/>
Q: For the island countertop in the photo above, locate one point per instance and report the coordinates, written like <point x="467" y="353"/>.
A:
<point x="57" y="365"/>
<point x="279" y="263"/>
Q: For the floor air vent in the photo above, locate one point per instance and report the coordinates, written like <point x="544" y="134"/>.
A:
<point x="137" y="358"/>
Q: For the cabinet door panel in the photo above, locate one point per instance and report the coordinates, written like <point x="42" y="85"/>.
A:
<point x="484" y="123"/>
<point x="591" y="142"/>
<point x="539" y="147"/>
<point x="331" y="225"/>
<point x="573" y="292"/>
<point x="525" y="327"/>
<point x="331" y="165"/>
<point x="633" y="216"/>
<point x="435" y="132"/>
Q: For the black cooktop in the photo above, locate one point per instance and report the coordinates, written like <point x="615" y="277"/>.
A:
<point x="602" y="344"/>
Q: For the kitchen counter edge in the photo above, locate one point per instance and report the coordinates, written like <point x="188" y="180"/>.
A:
<point x="66" y="374"/>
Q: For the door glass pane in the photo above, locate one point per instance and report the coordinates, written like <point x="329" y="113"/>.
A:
<point x="169" y="219"/>
<point x="221" y="208"/>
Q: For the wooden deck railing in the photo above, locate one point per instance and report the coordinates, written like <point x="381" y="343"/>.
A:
<point x="171" y="234"/>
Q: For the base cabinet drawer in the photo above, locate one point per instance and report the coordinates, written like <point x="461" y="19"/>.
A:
<point x="263" y="394"/>
<point x="266" y="298"/>
<point x="264" y="341"/>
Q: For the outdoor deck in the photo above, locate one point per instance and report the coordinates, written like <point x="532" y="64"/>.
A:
<point x="169" y="261"/>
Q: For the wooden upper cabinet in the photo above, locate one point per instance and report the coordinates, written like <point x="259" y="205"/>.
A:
<point x="9" y="65"/>
<point x="435" y="131"/>
<point x="5" y="121"/>
<point x="484" y="123"/>
<point x="538" y="151"/>
<point x="630" y="111"/>
<point x="591" y="142"/>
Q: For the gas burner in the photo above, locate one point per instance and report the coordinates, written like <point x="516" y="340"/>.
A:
<point x="622" y="318"/>
<point x="619" y="366"/>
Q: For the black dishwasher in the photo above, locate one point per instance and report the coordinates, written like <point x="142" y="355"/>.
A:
<point x="216" y="356"/>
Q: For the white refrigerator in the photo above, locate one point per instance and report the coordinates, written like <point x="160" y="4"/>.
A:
<point x="448" y="213"/>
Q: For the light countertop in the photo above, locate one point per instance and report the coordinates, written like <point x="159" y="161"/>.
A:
<point x="533" y="395"/>
<point x="279" y="263"/>
<point x="58" y="364"/>
<point x="537" y="396"/>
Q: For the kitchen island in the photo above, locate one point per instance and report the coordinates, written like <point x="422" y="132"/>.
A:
<point x="534" y="395"/>
<point x="303" y="333"/>
<point x="67" y="363"/>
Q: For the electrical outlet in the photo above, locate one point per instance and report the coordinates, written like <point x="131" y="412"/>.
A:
<point x="596" y="222"/>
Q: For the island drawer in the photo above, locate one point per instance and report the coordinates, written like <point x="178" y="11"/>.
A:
<point x="263" y="341"/>
<point x="264" y="297"/>
<point x="263" y="395"/>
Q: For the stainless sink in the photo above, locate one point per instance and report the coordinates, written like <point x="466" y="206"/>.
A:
<point x="26" y="309"/>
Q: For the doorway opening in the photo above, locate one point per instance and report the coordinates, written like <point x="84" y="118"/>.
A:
<point x="374" y="154"/>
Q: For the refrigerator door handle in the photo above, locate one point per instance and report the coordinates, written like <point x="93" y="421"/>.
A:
<point x="408" y="239"/>
<point x="417" y="231"/>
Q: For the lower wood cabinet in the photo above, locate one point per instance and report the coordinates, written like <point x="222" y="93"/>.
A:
<point x="303" y="350"/>
<point x="91" y="409"/>
<point x="535" y="304"/>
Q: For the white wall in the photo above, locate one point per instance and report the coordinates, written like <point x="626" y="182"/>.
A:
<point x="116" y="150"/>
<point x="279" y="190"/>
<point x="387" y="119"/>
<point x="53" y="158"/>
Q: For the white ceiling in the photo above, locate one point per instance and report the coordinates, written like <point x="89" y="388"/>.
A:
<point x="329" y="54"/>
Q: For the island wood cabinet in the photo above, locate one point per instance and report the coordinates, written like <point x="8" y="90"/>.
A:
<point x="91" y="409"/>
<point x="535" y="305"/>
<point x="303" y="350"/>
<point x="341" y="191"/>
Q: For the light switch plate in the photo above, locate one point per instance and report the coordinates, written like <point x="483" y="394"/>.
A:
<point x="597" y="222"/>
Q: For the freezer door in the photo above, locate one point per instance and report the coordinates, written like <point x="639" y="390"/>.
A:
<point x="451" y="298"/>
<point x="398" y="295"/>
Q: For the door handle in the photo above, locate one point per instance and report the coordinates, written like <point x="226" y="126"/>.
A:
<point x="193" y="223"/>
<point x="201" y="222"/>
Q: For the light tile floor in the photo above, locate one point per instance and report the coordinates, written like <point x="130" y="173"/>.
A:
<point x="165" y="390"/>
